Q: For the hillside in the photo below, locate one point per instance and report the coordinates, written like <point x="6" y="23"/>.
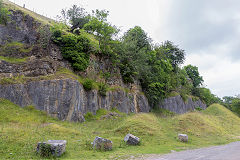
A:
<point x="72" y="70"/>
<point x="22" y="128"/>
<point x="55" y="74"/>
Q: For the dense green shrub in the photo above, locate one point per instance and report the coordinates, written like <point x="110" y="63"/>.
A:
<point x="88" y="84"/>
<point x="193" y="74"/>
<point x="198" y="109"/>
<point x="155" y="93"/>
<point x="206" y="96"/>
<point x="184" y="97"/>
<point x="227" y="101"/>
<point x="102" y="89"/>
<point x="74" y="48"/>
<point x="88" y="116"/>
<point x="127" y="72"/>
<point x="106" y="75"/>
<point x="235" y="107"/>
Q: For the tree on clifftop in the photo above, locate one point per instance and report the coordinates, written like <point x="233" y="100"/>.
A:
<point x="103" y="30"/>
<point x="173" y="52"/>
<point x="193" y="74"/>
<point x="76" y="16"/>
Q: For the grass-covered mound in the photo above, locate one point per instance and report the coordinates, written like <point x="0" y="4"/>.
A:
<point x="22" y="128"/>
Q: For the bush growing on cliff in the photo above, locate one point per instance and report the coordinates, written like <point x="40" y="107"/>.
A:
<point x="102" y="89"/>
<point x="88" y="84"/>
<point x="206" y="96"/>
<point x="74" y="48"/>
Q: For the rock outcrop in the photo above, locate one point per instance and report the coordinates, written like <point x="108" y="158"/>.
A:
<point x="20" y="28"/>
<point x="178" y="105"/>
<point x="66" y="99"/>
<point x="23" y="37"/>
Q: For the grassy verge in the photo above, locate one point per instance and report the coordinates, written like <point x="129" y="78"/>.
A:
<point x="22" y="128"/>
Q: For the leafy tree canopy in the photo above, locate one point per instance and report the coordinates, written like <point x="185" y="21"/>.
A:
<point x="193" y="74"/>
<point x="76" y="16"/>
<point x="139" y="37"/>
<point x="104" y="31"/>
<point x="236" y="106"/>
<point x="172" y="52"/>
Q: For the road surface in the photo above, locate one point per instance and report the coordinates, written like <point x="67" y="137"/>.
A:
<point x="224" y="152"/>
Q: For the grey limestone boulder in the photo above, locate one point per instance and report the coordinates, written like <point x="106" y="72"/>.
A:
<point x="100" y="143"/>
<point x="183" y="137"/>
<point x="131" y="139"/>
<point x="51" y="148"/>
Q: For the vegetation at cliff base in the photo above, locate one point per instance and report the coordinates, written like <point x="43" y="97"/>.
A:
<point x="22" y="128"/>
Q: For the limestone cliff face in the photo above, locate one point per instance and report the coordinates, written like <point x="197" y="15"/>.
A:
<point x="24" y="30"/>
<point x="20" y="28"/>
<point x="177" y="105"/>
<point x="67" y="99"/>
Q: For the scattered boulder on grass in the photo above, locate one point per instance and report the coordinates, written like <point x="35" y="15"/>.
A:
<point x="51" y="148"/>
<point x="102" y="144"/>
<point x="183" y="137"/>
<point x="131" y="139"/>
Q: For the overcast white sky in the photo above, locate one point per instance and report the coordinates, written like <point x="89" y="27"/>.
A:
<point x="208" y="30"/>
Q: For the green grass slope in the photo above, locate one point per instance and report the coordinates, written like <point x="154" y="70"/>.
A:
<point x="22" y="128"/>
<point x="38" y="17"/>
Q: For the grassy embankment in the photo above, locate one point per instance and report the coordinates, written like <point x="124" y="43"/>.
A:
<point x="22" y="128"/>
<point x="38" y="17"/>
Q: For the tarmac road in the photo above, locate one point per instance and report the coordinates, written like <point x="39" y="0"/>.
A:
<point x="224" y="152"/>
